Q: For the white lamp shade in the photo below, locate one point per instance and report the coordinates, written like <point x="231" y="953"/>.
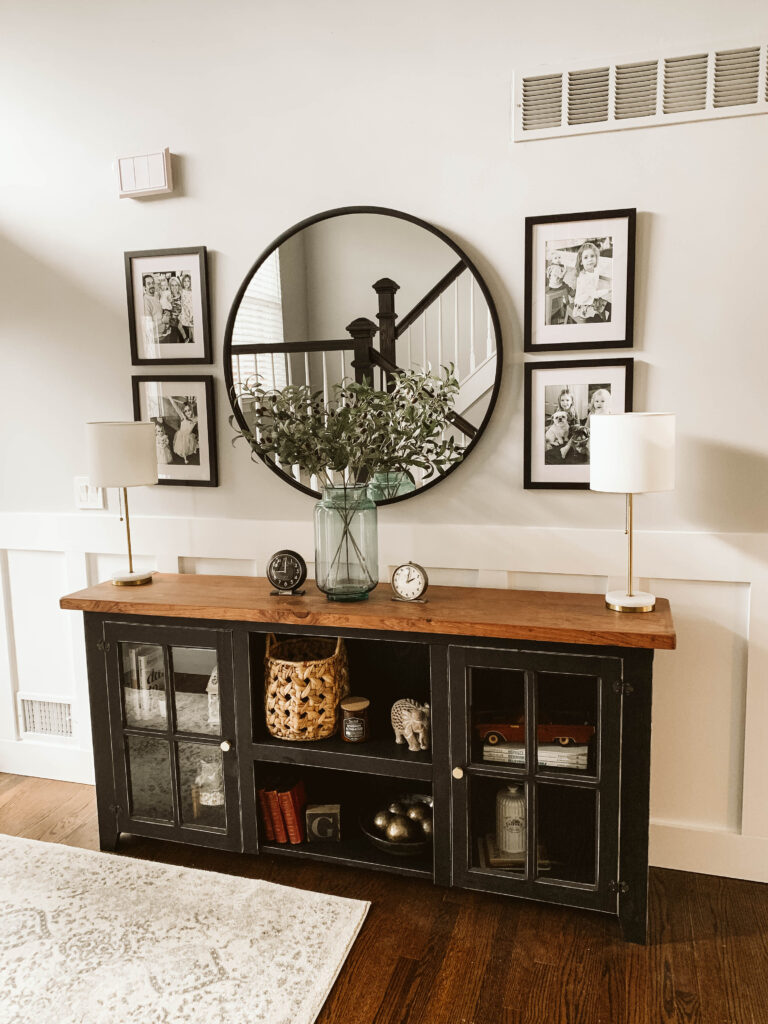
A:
<point x="121" y="454"/>
<point x="632" y="453"/>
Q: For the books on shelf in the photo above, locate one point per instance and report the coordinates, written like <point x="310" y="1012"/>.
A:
<point x="553" y="755"/>
<point x="145" y="692"/>
<point x="282" y="803"/>
<point x="489" y="856"/>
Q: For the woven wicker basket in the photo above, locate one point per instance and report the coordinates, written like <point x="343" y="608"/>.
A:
<point x="305" y="679"/>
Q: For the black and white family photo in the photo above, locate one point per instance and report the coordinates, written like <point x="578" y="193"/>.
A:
<point x="568" y="410"/>
<point x="182" y="411"/>
<point x="168" y="305"/>
<point x="579" y="277"/>
<point x="562" y="399"/>
<point x="579" y="281"/>
<point x="168" y="311"/>
<point x="176" y="433"/>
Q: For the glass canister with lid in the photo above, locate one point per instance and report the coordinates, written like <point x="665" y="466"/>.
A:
<point x="354" y="723"/>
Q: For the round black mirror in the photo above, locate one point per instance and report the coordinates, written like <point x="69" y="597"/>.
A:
<point x="363" y="293"/>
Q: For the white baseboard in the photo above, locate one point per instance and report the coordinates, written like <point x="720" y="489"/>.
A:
<point x="46" y="761"/>
<point x="709" y="851"/>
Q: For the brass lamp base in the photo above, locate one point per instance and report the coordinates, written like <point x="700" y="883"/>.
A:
<point x="620" y="601"/>
<point x="132" y="579"/>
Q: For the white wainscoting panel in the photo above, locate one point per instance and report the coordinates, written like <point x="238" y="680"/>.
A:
<point x="709" y="767"/>
<point x="699" y="700"/>
<point x="43" y="652"/>
<point x="220" y="567"/>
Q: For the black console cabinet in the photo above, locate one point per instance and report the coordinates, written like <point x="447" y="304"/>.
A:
<point x="180" y="750"/>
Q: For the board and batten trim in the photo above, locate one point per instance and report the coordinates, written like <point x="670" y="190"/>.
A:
<point x="490" y="556"/>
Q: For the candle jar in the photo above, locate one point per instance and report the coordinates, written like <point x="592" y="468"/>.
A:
<point x="354" y="723"/>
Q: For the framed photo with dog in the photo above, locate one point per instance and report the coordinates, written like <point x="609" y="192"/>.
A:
<point x="561" y="398"/>
<point x="579" y="280"/>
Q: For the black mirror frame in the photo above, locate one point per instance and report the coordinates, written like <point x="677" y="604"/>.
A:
<point x="327" y="215"/>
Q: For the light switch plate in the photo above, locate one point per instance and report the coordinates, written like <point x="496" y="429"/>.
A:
<point x="148" y="174"/>
<point x="88" y="497"/>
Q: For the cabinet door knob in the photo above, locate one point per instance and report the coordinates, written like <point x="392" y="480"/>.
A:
<point x="225" y="745"/>
<point x="458" y="773"/>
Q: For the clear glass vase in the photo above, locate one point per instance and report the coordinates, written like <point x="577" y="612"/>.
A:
<point x="346" y="543"/>
<point x="389" y="485"/>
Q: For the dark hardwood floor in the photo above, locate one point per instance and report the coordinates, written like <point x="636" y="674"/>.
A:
<point x="435" y="956"/>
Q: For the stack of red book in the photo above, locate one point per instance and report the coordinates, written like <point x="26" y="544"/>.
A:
<point x="282" y="811"/>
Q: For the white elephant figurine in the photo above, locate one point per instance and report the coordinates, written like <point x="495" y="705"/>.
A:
<point x="410" y="720"/>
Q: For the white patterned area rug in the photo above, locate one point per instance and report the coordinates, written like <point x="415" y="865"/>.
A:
<point x="93" y="938"/>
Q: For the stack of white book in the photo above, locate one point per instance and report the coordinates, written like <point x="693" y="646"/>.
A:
<point x="551" y="754"/>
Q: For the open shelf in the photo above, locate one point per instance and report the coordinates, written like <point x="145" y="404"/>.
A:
<point x="358" y="795"/>
<point x="377" y="756"/>
<point x="356" y="852"/>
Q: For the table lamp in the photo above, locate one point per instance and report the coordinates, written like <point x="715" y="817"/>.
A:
<point x="123" y="455"/>
<point x="631" y="453"/>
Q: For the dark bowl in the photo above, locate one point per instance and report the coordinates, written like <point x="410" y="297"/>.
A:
<point x="409" y="849"/>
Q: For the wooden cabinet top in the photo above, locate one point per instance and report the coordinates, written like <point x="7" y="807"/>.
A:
<point x="451" y="611"/>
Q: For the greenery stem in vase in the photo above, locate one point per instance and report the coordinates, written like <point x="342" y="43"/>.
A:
<point x="362" y="445"/>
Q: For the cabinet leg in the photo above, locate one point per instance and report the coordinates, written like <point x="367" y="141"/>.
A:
<point x="109" y="840"/>
<point x="633" y="916"/>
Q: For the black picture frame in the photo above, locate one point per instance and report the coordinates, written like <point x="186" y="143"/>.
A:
<point x="539" y="333"/>
<point x="563" y="477"/>
<point x="156" y="261"/>
<point x="205" y="473"/>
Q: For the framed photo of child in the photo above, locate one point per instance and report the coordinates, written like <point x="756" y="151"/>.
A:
<point x="181" y="409"/>
<point x="168" y="311"/>
<point x="579" y="280"/>
<point x="561" y="398"/>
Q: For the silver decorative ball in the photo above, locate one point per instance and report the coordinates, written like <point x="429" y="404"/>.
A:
<point x="400" y="829"/>
<point x="396" y="807"/>
<point x="381" y="820"/>
<point x="426" y="827"/>
<point x="418" y="812"/>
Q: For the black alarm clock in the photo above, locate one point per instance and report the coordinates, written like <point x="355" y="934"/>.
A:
<point x="287" y="571"/>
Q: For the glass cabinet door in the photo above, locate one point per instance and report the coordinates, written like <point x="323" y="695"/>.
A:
<point x="172" y="714"/>
<point x="535" y="752"/>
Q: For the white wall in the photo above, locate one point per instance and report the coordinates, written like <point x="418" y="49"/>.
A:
<point x="278" y="111"/>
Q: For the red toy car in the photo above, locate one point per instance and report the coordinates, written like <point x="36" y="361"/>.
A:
<point x="501" y="731"/>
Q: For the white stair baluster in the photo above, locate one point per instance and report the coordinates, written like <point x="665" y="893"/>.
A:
<point x="472" y="361"/>
<point x="455" y="287"/>
<point x="439" y="332"/>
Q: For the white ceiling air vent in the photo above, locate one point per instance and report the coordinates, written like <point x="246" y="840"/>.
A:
<point x="640" y="91"/>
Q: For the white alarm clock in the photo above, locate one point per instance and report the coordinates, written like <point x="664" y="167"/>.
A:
<point x="410" y="582"/>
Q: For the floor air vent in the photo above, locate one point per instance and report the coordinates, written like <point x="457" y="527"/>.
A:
<point x="46" y="716"/>
<point x="641" y="92"/>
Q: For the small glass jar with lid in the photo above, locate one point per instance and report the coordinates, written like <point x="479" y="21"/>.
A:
<point x="354" y="723"/>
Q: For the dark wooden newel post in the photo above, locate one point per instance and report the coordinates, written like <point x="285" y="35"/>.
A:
<point x="362" y="331"/>
<point x="385" y="288"/>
